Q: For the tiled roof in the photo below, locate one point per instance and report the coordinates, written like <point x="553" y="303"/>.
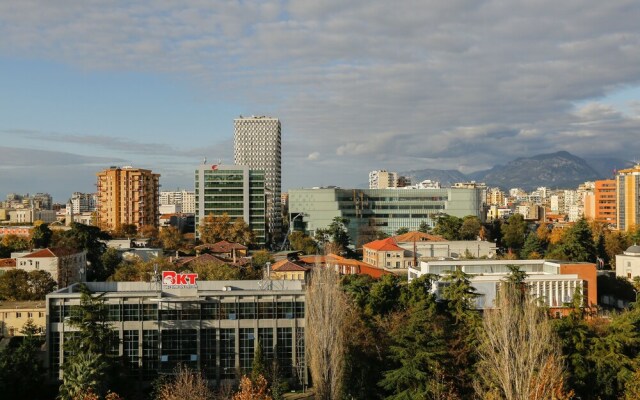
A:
<point x="222" y="247"/>
<point x="50" y="253"/>
<point x="417" y="236"/>
<point x="388" y="244"/>
<point x="7" y="262"/>
<point x="286" y="266"/>
<point x="210" y="258"/>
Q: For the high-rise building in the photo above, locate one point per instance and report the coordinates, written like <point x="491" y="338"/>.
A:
<point x="257" y="144"/>
<point x="83" y="202"/>
<point x="236" y="190"/>
<point x="605" y="201"/>
<point x="185" y="199"/>
<point x="628" y="198"/>
<point x="383" y="179"/>
<point x="127" y="196"/>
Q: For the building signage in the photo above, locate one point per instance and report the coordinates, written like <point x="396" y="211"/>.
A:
<point x="174" y="280"/>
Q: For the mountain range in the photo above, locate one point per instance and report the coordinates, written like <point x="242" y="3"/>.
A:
<point x="554" y="170"/>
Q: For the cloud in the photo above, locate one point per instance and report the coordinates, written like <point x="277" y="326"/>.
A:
<point x="313" y="156"/>
<point x="14" y="157"/>
<point x="408" y="84"/>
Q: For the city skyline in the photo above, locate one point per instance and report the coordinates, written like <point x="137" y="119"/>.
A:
<point x="358" y="86"/>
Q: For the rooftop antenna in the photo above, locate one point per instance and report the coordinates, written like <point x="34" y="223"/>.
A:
<point x="204" y="161"/>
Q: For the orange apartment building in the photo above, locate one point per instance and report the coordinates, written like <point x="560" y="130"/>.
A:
<point x="605" y="201"/>
<point x="127" y="195"/>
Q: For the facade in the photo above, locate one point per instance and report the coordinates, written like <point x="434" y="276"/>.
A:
<point x="128" y="196"/>
<point x="237" y="190"/>
<point x="14" y="314"/>
<point x="209" y="326"/>
<point x="64" y="266"/>
<point x="403" y="251"/>
<point x="83" y="202"/>
<point x="257" y="144"/>
<point x="628" y="198"/>
<point x="23" y="231"/>
<point x="628" y="263"/>
<point x="554" y="282"/>
<point x="382" y="179"/>
<point x="384" y="209"/>
<point x="288" y="270"/>
<point x="184" y="200"/>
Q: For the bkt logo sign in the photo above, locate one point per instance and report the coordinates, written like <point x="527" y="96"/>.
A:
<point x="172" y="279"/>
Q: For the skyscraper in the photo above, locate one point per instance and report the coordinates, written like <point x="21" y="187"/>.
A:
<point x="257" y="144"/>
<point x="128" y="196"/>
<point x="628" y="198"/>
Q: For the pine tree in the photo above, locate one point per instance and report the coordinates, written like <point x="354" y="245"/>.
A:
<point x="577" y="244"/>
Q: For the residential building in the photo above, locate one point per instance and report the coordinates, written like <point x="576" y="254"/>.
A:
<point x="382" y="179"/>
<point x="184" y="201"/>
<point x="386" y="210"/>
<point x="289" y="270"/>
<point x="257" y="144"/>
<point x="208" y="326"/>
<point x="24" y="231"/>
<point x="628" y="198"/>
<point x="83" y="202"/>
<point x="15" y="314"/>
<point x="342" y="265"/>
<point x="127" y="196"/>
<point x="605" y="201"/>
<point x="495" y="197"/>
<point x="30" y="215"/>
<point x="553" y="282"/>
<point x="237" y="190"/>
<point x="628" y="263"/>
<point x="64" y="265"/>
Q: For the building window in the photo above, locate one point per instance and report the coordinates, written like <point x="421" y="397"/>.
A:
<point x="227" y="353"/>
<point x="247" y="338"/>
<point x="18" y="315"/>
<point x="247" y="310"/>
<point x="150" y="312"/>
<point x="284" y="347"/>
<point x="131" y="312"/>
<point x="130" y="349"/>
<point x="149" y="353"/>
<point x="208" y="352"/>
<point x="266" y="310"/>
<point x="265" y="338"/>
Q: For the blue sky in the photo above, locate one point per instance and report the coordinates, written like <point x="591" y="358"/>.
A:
<point x="358" y="85"/>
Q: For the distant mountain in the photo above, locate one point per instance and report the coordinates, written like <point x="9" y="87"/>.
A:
<point x="555" y="170"/>
<point x="606" y="165"/>
<point x="445" y="177"/>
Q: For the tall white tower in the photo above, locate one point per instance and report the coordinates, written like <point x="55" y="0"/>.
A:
<point x="257" y="144"/>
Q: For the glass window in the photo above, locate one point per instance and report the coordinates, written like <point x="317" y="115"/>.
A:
<point x="228" y="311"/>
<point x="227" y="353"/>
<point x="285" y="348"/>
<point x="208" y="352"/>
<point x="285" y="310"/>
<point x="131" y="312"/>
<point x="150" y="353"/>
<point x="247" y="338"/>
<point x="266" y="310"/>
<point x="247" y="310"/>
<point x="130" y="349"/>
<point x="209" y="311"/>
<point x="150" y="312"/>
<point x="265" y="336"/>
<point x="299" y="309"/>
<point x="113" y="312"/>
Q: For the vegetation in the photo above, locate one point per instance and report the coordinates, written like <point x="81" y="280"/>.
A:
<point x="20" y="285"/>
<point x="215" y="228"/>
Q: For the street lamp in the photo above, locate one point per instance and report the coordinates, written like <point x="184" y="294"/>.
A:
<point x="290" y="230"/>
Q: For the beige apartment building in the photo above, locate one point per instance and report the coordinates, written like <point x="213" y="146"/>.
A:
<point x="127" y="195"/>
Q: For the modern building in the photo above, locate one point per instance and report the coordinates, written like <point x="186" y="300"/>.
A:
<point x="386" y="210"/>
<point x="628" y="198"/>
<point x="237" y="190"/>
<point x="553" y="282"/>
<point x="64" y="265"/>
<point x="209" y="326"/>
<point x="257" y="144"/>
<point x="628" y="263"/>
<point x="127" y="196"/>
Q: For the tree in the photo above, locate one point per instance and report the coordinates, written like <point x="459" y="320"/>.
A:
<point x="14" y="285"/>
<point x="170" y="238"/>
<point x="533" y="248"/>
<point x="215" y="228"/>
<point x="519" y="354"/>
<point x="260" y="258"/>
<point x="89" y="238"/>
<point x="40" y="284"/>
<point x="402" y="231"/>
<point x="470" y="228"/>
<point x="424" y="227"/>
<point x="241" y="233"/>
<point x="615" y="242"/>
<point x="326" y="305"/>
<point x="258" y="366"/>
<point x="417" y="349"/>
<point x="110" y="260"/>
<point x="21" y="369"/>
<point x="186" y="384"/>
<point x="210" y="271"/>
<point x="513" y="232"/>
<point x="448" y="227"/>
<point x="460" y="296"/>
<point x="253" y="389"/>
<point x="40" y="236"/>
<point x="384" y="294"/>
<point x="148" y="231"/>
<point x="302" y="242"/>
<point x="14" y="243"/>
<point x="84" y="372"/>
<point x="577" y="244"/>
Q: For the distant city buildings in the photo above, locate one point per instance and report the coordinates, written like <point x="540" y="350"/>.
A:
<point x="237" y="190"/>
<point x="257" y="144"/>
<point x="84" y="202"/>
<point x="184" y="200"/>
<point x="127" y="196"/>
<point x="383" y="179"/>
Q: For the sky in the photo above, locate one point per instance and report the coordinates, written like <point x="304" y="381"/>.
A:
<point x="358" y="85"/>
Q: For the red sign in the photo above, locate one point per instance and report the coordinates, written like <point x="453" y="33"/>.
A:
<point x="180" y="281"/>
<point x="214" y="167"/>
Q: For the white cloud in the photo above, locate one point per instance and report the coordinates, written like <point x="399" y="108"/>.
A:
<point x="313" y="156"/>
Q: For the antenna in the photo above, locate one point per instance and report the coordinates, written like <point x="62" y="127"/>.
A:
<point x="204" y="161"/>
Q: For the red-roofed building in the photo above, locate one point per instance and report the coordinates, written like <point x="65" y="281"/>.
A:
<point x="289" y="270"/>
<point x="386" y="253"/>
<point x="65" y="266"/>
<point x="224" y="249"/>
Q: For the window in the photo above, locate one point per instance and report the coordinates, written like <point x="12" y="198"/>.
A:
<point x="18" y="315"/>
<point x="227" y="353"/>
<point x="131" y="312"/>
<point x="208" y="352"/>
<point x="209" y="311"/>
<point x="228" y="311"/>
<point x="29" y="315"/>
<point x="266" y="310"/>
<point x="247" y="310"/>
<point x="130" y="349"/>
<point x="247" y="338"/>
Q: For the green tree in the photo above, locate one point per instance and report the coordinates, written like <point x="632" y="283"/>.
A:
<point x="417" y="350"/>
<point x="84" y="372"/>
<point x="533" y="248"/>
<point x="337" y="234"/>
<point x="577" y="244"/>
<point x="513" y="232"/>
<point x="40" y="236"/>
<point x="424" y="227"/>
<point x="258" y="366"/>
<point x="470" y="228"/>
<point x="89" y="238"/>
<point x="460" y="296"/>
<point x="615" y="242"/>
<point x="302" y="242"/>
<point x="40" y="284"/>
<point x="260" y="258"/>
<point x="110" y="260"/>
<point x="215" y="228"/>
<point x="14" y="285"/>
<point x="14" y="243"/>
<point x="402" y="231"/>
<point x="575" y="338"/>
<point x="21" y="369"/>
<point x="384" y="295"/>
<point x="448" y="227"/>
